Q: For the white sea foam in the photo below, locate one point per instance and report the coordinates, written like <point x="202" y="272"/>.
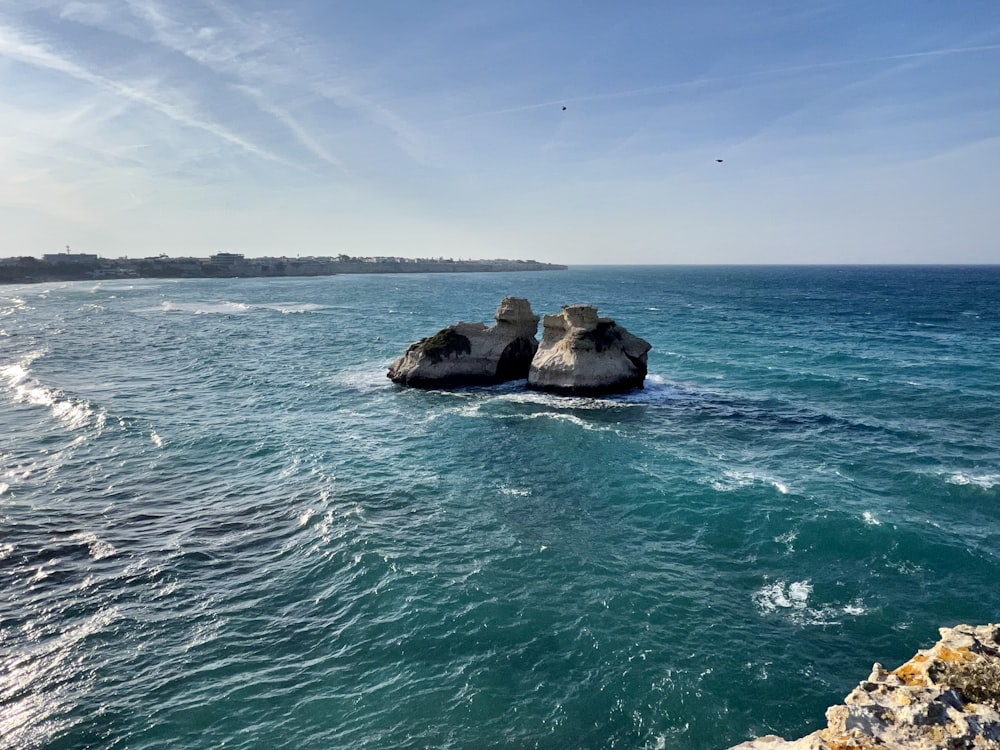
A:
<point x="4" y="487"/>
<point x="98" y="548"/>
<point x="562" y="402"/>
<point x="777" y="595"/>
<point x="788" y="540"/>
<point x="205" y="308"/>
<point x="515" y="491"/>
<point x="986" y="481"/>
<point x="560" y="417"/>
<point x="733" y="479"/>
<point x="792" y="600"/>
<point x="870" y="519"/>
<point x="157" y="440"/>
<point x="855" y="608"/>
<point x="292" y="309"/>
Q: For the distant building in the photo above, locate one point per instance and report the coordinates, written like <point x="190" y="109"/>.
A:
<point x="78" y="259"/>
<point x="227" y="259"/>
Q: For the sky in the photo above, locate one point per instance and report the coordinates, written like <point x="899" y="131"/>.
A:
<point x="578" y="132"/>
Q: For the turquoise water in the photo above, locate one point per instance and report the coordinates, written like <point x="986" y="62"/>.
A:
<point x="222" y="526"/>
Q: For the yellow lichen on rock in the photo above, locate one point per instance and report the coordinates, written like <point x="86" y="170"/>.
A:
<point x="947" y="696"/>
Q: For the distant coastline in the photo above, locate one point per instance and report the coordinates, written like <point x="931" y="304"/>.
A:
<point x="84" y="266"/>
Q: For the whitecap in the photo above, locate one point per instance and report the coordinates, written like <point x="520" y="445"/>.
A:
<point x="205" y="308"/>
<point x="986" y="481"/>
<point x="870" y="519"/>
<point x="97" y="548"/>
<point x="157" y="440"/>
<point x="293" y="309"/>
<point x="515" y="491"/>
<point x="788" y="540"/>
<point x="855" y="608"/>
<point x="792" y="601"/>
<point x="779" y="595"/>
<point x="733" y="479"/>
<point x="558" y="417"/>
<point x="552" y="400"/>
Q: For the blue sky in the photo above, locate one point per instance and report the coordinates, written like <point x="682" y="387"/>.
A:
<point x="849" y="131"/>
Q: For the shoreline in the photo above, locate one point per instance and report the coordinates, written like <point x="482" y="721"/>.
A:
<point x="85" y="267"/>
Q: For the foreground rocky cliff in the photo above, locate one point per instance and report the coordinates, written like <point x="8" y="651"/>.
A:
<point x="945" y="697"/>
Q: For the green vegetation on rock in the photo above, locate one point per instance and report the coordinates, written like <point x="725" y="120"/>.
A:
<point x="443" y="344"/>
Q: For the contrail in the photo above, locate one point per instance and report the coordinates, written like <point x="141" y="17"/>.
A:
<point x="736" y="77"/>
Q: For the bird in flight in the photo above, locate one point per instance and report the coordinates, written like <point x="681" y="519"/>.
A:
<point x="564" y="109"/>
<point x="719" y="160"/>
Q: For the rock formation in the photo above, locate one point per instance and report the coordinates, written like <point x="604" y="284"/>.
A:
<point x="471" y="353"/>
<point x="945" y="697"/>
<point x="581" y="353"/>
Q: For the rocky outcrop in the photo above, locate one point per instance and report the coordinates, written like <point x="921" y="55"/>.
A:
<point x="471" y="353"/>
<point x="945" y="697"/>
<point x="582" y="353"/>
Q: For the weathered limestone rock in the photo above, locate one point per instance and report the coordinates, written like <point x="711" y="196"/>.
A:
<point x="945" y="697"/>
<point x="471" y="353"/>
<point x="581" y="353"/>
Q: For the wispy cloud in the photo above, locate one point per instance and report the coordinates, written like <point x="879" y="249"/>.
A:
<point x="14" y="46"/>
<point x="303" y="136"/>
<point x="266" y="60"/>
<point x="898" y="64"/>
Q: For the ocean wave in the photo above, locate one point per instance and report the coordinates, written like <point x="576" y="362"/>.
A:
<point x="38" y="685"/>
<point x="733" y="479"/>
<point x="98" y="549"/>
<point x="240" y="308"/>
<point x="12" y="305"/>
<point x="792" y="601"/>
<point x="292" y="308"/>
<point x="986" y="481"/>
<point x="515" y="491"/>
<point x="73" y="412"/>
<point x="206" y="308"/>
<point x="788" y="540"/>
<point x="560" y="401"/>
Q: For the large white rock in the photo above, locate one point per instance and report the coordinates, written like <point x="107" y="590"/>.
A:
<point x="582" y="353"/>
<point x="471" y="353"/>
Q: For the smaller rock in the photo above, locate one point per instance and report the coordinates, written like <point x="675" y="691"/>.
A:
<point x="584" y="354"/>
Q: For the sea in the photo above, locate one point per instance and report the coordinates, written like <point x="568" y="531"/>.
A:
<point x="222" y="526"/>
